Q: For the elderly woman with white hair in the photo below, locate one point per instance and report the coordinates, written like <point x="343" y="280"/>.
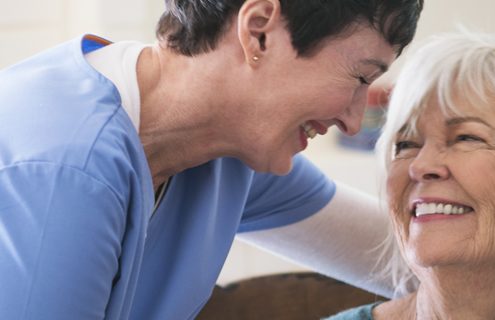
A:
<point x="438" y="148"/>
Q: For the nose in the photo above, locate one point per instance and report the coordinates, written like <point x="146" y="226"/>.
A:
<point x="352" y="116"/>
<point x="429" y="165"/>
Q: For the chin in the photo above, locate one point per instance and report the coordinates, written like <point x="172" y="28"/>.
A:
<point x="429" y="258"/>
<point x="275" y="161"/>
<point x="279" y="168"/>
<point x="281" y="172"/>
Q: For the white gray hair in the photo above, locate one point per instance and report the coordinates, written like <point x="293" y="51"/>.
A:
<point x="444" y="67"/>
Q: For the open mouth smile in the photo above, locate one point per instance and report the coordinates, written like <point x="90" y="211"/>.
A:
<point x="312" y="128"/>
<point x="309" y="130"/>
<point x="423" y="209"/>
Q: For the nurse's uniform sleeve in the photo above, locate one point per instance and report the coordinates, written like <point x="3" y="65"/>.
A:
<point x="345" y="240"/>
<point x="60" y="242"/>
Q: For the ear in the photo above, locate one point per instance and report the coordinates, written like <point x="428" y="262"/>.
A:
<point x="256" y="19"/>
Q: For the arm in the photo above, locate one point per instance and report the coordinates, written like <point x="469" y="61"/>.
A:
<point x="60" y="243"/>
<point x="342" y="240"/>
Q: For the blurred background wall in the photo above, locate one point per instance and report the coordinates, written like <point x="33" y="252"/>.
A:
<point x="28" y="26"/>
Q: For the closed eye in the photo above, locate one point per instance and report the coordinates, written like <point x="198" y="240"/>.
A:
<point x="468" y="137"/>
<point x="363" y="80"/>
<point x="404" y="145"/>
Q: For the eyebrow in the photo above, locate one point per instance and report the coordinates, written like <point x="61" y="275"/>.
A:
<point x="459" y="120"/>
<point x="455" y="121"/>
<point x="377" y="63"/>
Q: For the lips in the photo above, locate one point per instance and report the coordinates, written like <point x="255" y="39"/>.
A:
<point x="303" y="138"/>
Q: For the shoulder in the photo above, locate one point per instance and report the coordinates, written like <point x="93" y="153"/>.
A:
<point x="53" y="103"/>
<point x="56" y="108"/>
<point x="100" y="144"/>
<point x="357" y="313"/>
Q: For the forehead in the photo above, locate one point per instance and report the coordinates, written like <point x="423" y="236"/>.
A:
<point x="463" y="101"/>
<point x="436" y="112"/>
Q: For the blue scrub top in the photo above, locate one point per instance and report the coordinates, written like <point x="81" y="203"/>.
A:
<point x="77" y="238"/>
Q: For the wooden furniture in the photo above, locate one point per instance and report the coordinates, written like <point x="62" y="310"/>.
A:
<point x="284" y="296"/>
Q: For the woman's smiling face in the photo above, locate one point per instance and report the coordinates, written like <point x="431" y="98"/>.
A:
<point x="441" y="186"/>
<point x="302" y="96"/>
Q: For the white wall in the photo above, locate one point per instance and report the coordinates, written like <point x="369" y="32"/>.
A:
<point x="28" y="26"/>
<point x="447" y="16"/>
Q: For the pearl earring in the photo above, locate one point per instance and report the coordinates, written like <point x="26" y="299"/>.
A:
<point x="256" y="58"/>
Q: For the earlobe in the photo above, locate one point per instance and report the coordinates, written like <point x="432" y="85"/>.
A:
<point x="256" y="19"/>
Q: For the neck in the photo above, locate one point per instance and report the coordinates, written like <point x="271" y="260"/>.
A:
<point x="456" y="293"/>
<point x="180" y="118"/>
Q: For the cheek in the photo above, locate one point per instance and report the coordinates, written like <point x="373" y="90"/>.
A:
<point x="477" y="178"/>
<point x="328" y="100"/>
<point x="475" y="172"/>
<point x="334" y="104"/>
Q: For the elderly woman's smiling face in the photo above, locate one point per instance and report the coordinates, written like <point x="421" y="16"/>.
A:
<point x="441" y="186"/>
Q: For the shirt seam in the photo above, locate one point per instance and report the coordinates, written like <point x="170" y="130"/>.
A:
<point x="61" y="165"/>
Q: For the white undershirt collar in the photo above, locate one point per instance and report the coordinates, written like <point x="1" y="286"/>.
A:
<point x="117" y="62"/>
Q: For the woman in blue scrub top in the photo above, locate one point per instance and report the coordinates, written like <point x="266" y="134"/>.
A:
<point x="127" y="169"/>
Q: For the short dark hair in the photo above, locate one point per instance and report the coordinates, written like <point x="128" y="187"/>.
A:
<point x="192" y="27"/>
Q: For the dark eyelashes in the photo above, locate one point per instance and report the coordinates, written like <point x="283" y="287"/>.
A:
<point x="407" y="144"/>
<point x="363" y="80"/>
<point x="469" y="137"/>
<point x="401" y="145"/>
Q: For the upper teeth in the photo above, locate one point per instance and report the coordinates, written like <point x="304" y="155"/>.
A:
<point x="442" y="208"/>
<point x="309" y="130"/>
